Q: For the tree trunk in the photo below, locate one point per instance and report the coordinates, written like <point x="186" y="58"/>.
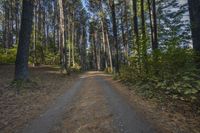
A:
<point x="61" y="35"/>
<point x="143" y="20"/>
<point x="155" y="36"/>
<point x="21" y="64"/>
<point x="112" y="5"/>
<point x="135" y="20"/>
<point x="35" y="36"/>
<point x="151" y="23"/>
<point x="123" y="38"/>
<point x="127" y="29"/>
<point x="69" y="42"/>
<point x="109" y="51"/>
<point x="95" y="50"/>
<point x="194" y="8"/>
<point x="73" y="43"/>
<point x="136" y="32"/>
<point x="144" y="46"/>
<point x="17" y="21"/>
<point x="104" y="43"/>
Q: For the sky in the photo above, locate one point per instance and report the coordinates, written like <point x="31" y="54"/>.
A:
<point x="84" y="3"/>
<point x="183" y="1"/>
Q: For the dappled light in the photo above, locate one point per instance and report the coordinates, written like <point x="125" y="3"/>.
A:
<point x="92" y="74"/>
<point x="100" y="66"/>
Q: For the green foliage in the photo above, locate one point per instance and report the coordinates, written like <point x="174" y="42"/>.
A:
<point x="51" y="58"/>
<point x="171" y="72"/>
<point x="76" y="68"/>
<point x="8" y="56"/>
<point x="108" y="70"/>
<point x="43" y="55"/>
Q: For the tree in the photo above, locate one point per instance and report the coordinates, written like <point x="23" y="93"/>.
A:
<point x="194" y="9"/>
<point x="136" y="31"/>
<point x="135" y="20"/>
<point x="21" y="64"/>
<point x="155" y="30"/>
<point x="62" y="37"/>
<point x="112" y="6"/>
<point x="173" y="27"/>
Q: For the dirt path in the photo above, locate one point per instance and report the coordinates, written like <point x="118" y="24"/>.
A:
<point x="54" y="114"/>
<point x="126" y="117"/>
<point x="89" y="113"/>
<point x="91" y="106"/>
<point x="17" y="108"/>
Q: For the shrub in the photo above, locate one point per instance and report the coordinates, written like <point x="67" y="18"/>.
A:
<point x="172" y="72"/>
<point x="76" y="68"/>
<point x="8" y="56"/>
<point x="108" y="70"/>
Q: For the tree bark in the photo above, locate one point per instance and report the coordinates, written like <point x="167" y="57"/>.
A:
<point x="73" y="43"/>
<point x="62" y="35"/>
<point x="194" y="9"/>
<point x="69" y="42"/>
<point x="151" y="23"/>
<point x="109" y="50"/>
<point x="155" y="34"/>
<point x="104" y="43"/>
<point x="136" y="32"/>
<point x="21" y="64"/>
<point x="95" y="49"/>
<point x="127" y="29"/>
<point x="135" y="19"/>
<point x="112" y="6"/>
<point x="144" y="46"/>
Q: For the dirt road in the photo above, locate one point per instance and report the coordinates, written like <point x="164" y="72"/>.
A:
<point x="92" y="105"/>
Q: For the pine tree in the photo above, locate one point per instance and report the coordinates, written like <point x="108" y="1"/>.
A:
<point x="21" y="65"/>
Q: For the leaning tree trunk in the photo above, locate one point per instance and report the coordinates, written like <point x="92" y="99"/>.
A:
<point x="194" y="8"/>
<point x="109" y="50"/>
<point x="21" y="64"/>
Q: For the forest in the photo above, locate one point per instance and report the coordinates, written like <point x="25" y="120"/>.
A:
<point x="139" y="53"/>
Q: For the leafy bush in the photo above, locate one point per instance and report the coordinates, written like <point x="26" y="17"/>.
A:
<point x="43" y="56"/>
<point x="172" y="72"/>
<point x="108" y="70"/>
<point x="76" y="68"/>
<point x="8" y="56"/>
<point x="52" y="59"/>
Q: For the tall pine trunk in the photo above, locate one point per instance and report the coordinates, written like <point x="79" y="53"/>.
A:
<point x="61" y="36"/>
<point x="151" y="23"/>
<point x="109" y="50"/>
<point x="21" y="64"/>
<point x="144" y="46"/>
<point x="104" y="43"/>
<point x="155" y="34"/>
<point x="136" y="32"/>
<point x="112" y="6"/>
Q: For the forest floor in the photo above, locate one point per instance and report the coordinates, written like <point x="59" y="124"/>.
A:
<point x="18" y="108"/>
<point x="89" y="103"/>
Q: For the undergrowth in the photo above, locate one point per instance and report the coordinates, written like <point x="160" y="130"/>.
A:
<point x="171" y="74"/>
